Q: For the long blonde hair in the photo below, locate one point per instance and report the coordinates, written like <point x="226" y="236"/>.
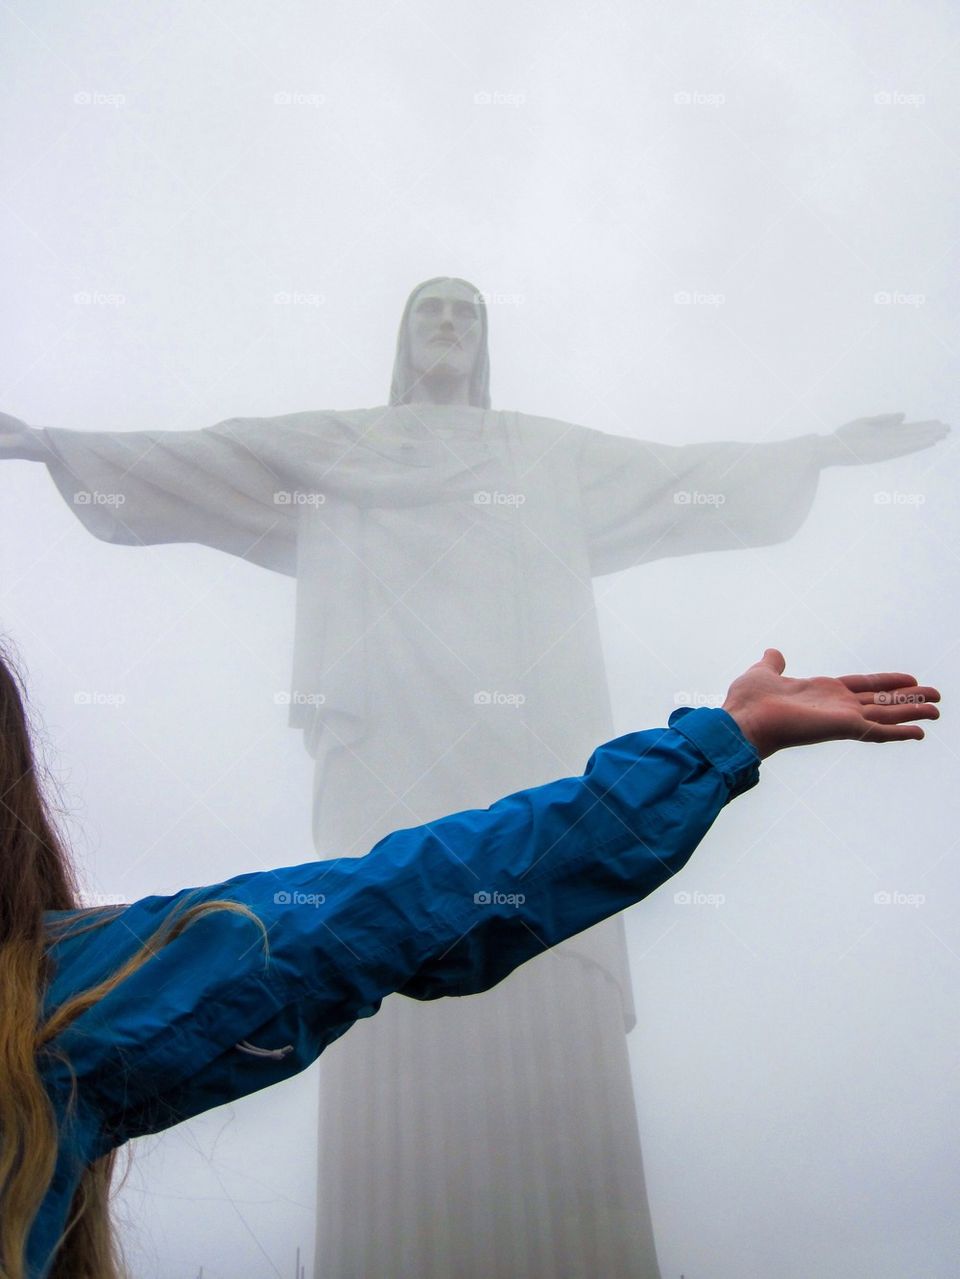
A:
<point x="37" y="875"/>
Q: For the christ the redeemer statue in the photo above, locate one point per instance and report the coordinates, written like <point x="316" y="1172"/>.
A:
<point x="447" y="652"/>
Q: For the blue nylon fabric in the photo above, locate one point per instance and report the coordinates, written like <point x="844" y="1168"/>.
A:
<point x="448" y="908"/>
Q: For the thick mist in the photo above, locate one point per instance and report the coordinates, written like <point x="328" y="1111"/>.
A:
<point x="689" y="226"/>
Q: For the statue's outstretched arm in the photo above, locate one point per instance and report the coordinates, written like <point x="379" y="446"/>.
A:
<point x="644" y="500"/>
<point x="138" y="488"/>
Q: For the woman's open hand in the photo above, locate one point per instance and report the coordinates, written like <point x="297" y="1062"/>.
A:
<point x="774" y="711"/>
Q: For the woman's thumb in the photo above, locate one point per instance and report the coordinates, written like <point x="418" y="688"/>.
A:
<point x="773" y="659"/>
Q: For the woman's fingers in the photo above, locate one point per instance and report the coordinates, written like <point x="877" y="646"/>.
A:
<point x="905" y="695"/>
<point x="900" y="713"/>
<point x="892" y="733"/>
<point x="878" y="682"/>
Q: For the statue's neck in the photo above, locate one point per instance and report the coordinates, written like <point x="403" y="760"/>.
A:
<point x="436" y="390"/>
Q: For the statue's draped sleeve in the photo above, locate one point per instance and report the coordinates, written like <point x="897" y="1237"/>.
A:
<point x="214" y="486"/>
<point x="644" y="501"/>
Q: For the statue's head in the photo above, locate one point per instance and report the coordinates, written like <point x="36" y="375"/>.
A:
<point x="442" y="344"/>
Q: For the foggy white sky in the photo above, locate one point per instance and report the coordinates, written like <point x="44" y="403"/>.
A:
<point x="795" y="1054"/>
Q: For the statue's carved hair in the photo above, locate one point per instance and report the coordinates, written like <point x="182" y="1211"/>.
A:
<point x="404" y="377"/>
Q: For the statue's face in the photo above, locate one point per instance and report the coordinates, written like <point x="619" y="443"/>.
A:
<point x="444" y="331"/>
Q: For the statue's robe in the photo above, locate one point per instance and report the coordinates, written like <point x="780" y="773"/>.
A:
<point x="447" y="653"/>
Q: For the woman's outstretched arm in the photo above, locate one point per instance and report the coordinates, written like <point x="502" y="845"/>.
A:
<point x="448" y="908"/>
<point x="647" y="800"/>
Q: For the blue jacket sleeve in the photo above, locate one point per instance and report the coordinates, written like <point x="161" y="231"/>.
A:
<point x="448" y="908"/>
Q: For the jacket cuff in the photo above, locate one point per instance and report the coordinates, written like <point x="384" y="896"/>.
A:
<point x="717" y="736"/>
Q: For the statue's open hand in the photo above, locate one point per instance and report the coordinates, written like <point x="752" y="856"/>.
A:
<point x="876" y="439"/>
<point x="774" y="711"/>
